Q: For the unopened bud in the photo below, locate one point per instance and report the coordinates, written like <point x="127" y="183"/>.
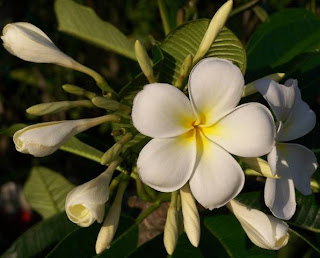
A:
<point x="75" y="90"/>
<point x="110" y="104"/>
<point x="184" y="71"/>
<point x="170" y="237"/>
<point x="115" y="150"/>
<point x="214" y="28"/>
<point x="54" y="107"/>
<point x="250" y="88"/>
<point x="260" y="165"/>
<point x="191" y="219"/>
<point x="111" y="222"/>
<point x="144" y="61"/>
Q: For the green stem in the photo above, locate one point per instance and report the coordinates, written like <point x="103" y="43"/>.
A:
<point x="164" y="17"/>
<point x="148" y="211"/>
<point x="304" y="239"/>
<point x="244" y="7"/>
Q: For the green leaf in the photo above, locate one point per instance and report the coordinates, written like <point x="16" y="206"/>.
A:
<point x="186" y="39"/>
<point x="81" y="242"/>
<point x="285" y="35"/>
<point x="230" y="234"/>
<point x="42" y="236"/>
<point x="46" y="191"/>
<point x="75" y="146"/>
<point x="307" y="214"/>
<point x="82" y="22"/>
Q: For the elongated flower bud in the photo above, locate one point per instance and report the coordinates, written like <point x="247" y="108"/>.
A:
<point x="115" y="150"/>
<point x="110" y="104"/>
<point x="191" y="219"/>
<point x="43" y="139"/>
<point x="184" y="71"/>
<point x="85" y="204"/>
<point x="76" y="90"/>
<point x="215" y="26"/>
<point x="170" y="237"/>
<point x="250" y="88"/>
<point x="263" y="230"/>
<point x="54" y="107"/>
<point x="110" y="223"/>
<point x="144" y="61"/>
<point x="259" y="165"/>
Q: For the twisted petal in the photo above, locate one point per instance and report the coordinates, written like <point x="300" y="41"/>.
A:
<point x="300" y="162"/>
<point x="217" y="178"/>
<point x="215" y="88"/>
<point x="166" y="164"/>
<point x="247" y="131"/>
<point x="161" y="110"/>
<point x="279" y="194"/>
<point x="300" y="121"/>
<point x="280" y="97"/>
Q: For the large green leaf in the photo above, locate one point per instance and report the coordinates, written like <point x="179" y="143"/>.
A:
<point x="307" y="214"/>
<point x="282" y="37"/>
<point x="81" y="242"/>
<point x="83" y="22"/>
<point x="46" y="191"/>
<point x="230" y="234"/>
<point x="42" y="236"/>
<point x="75" y="146"/>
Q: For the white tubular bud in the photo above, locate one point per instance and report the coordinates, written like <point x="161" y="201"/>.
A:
<point x="259" y="165"/>
<point x="215" y="26"/>
<point x="263" y="230"/>
<point x="110" y="223"/>
<point x="170" y="237"/>
<point x="250" y="88"/>
<point x="43" y="139"/>
<point x="85" y="204"/>
<point x="144" y="61"/>
<point x="76" y="90"/>
<point x="54" y="107"/>
<point x="191" y="219"/>
<point x="110" y="104"/>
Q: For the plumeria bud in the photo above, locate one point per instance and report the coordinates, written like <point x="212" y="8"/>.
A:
<point x="144" y="61"/>
<point x="43" y="139"/>
<point x="110" y="104"/>
<point x="115" y="150"/>
<point x="76" y="90"/>
<point x="191" y="219"/>
<point x="250" y="88"/>
<point x="263" y="230"/>
<point x="184" y="71"/>
<point x="85" y="204"/>
<point x="260" y="165"/>
<point x="215" y="26"/>
<point x="54" y="107"/>
<point x="110" y="223"/>
<point x="170" y="237"/>
<point x="29" y="43"/>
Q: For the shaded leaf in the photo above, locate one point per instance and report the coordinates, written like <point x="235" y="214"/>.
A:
<point x="46" y="191"/>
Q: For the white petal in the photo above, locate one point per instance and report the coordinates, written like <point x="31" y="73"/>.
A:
<point x="280" y="97"/>
<point x="300" y="121"/>
<point x="161" y="110"/>
<point x="217" y="178"/>
<point x="301" y="164"/>
<point x="272" y="160"/>
<point x="279" y="196"/>
<point x="215" y="88"/>
<point x="247" y="131"/>
<point x="166" y="164"/>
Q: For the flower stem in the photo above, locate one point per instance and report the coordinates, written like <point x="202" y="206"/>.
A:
<point x="148" y="211"/>
<point x="164" y="17"/>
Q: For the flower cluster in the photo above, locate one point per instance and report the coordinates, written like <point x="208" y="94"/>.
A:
<point x="197" y="140"/>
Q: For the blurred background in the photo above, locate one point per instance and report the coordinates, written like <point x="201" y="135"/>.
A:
<point x="24" y="84"/>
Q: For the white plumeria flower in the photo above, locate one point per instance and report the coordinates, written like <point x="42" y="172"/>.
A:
<point x="294" y="163"/>
<point x="263" y="230"/>
<point x="85" y="204"/>
<point x="43" y="139"/>
<point x="193" y="139"/>
<point x="29" y="43"/>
